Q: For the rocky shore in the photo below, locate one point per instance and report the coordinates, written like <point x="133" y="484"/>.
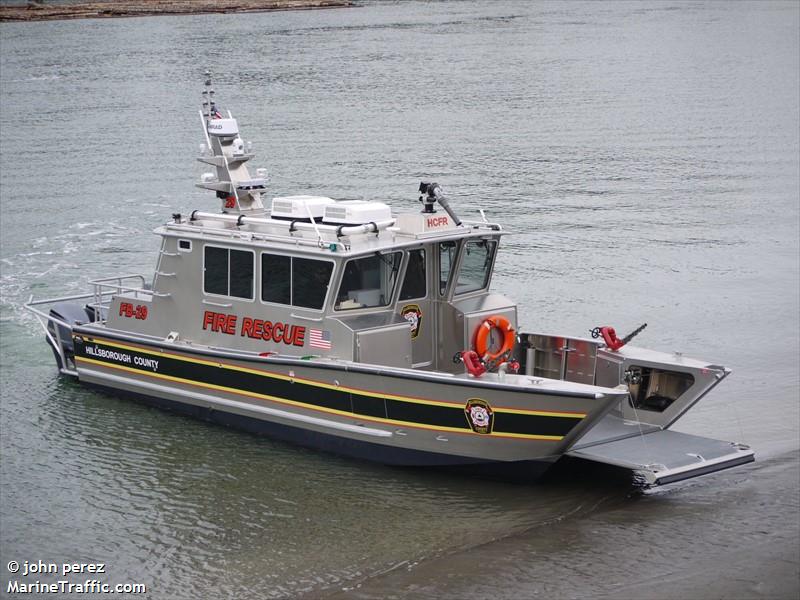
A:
<point x="38" y="11"/>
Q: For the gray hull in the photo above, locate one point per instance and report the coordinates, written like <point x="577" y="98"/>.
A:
<point x="384" y="414"/>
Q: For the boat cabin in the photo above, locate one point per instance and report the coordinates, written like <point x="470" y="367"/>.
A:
<point x="310" y="276"/>
<point x="316" y="277"/>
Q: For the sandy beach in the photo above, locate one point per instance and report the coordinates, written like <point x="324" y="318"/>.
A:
<point x="36" y="11"/>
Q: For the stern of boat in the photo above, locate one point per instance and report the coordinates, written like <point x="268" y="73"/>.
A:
<point x="59" y="316"/>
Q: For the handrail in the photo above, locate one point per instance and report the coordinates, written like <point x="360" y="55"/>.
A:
<point x="483" y="224"/>
<point x="220" y="304"/>
<point x="305" y="318"/>
<point x="339" y="230"/>
<point x="54" y="341"/>
<point x="253" y="235"/>
<point x="29" y="306"/>
<point x="138" y="276"/>
<point x="33" y="302"/>
<point x="116" y="284"/>
<point x="104" y="290"/>
<point x="112" y="285"/>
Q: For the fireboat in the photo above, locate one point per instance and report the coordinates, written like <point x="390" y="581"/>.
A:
<point x="345" y="327"/>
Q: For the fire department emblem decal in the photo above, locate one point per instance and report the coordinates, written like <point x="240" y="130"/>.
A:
<point x="413" y="314"/>
<point x="479" y="415"/>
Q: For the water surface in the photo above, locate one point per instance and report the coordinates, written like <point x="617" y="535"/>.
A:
<point x="645" y="155"/>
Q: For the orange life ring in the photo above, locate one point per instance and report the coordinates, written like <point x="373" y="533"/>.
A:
<point x="482" y="337"/>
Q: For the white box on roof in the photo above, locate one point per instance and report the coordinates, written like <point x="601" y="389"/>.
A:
<point x="356" y="212"/>
<point x="223" y="127"/>
<point x="298" y="207"/>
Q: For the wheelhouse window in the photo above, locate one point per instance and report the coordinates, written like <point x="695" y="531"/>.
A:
<point x="368" y="281"/>
<point x="414" y="284"/>
<point x="447" y="258"/>
<point x="476" y="266"/>
<point x="294" y="281"/>
<point x="228" y="272"/>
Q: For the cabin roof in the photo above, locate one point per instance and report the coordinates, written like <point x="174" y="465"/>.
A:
<point x="276" y="235"/>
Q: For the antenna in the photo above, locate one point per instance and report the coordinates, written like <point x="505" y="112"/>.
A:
<point x="209" y="107"/>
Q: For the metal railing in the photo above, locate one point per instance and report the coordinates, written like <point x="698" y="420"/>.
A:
<point x="100" y="298"/>
<point x="112" y="286"/>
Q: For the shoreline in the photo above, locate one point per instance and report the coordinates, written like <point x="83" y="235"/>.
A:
<point x="35" y="11"/>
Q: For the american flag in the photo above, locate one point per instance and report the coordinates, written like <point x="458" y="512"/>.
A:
<point x="320" y="339"/>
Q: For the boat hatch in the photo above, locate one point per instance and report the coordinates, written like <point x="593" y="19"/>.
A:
<point x="664" y="456"/>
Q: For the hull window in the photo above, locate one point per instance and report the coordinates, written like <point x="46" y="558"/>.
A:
<point x="228" y="272"/>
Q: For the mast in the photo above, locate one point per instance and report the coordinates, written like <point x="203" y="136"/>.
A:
<point x="209" y="107"/>
<point x="238" y="192"/>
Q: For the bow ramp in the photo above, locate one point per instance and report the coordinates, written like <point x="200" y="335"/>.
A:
<point x="659" y="456"/>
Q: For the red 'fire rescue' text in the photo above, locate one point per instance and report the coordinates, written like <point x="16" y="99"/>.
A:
<point x="255" y="328"/>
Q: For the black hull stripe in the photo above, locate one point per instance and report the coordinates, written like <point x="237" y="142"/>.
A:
<point x="157" y="346"/>
<point x="524" y="471"/>
<point x="327" y="397"/>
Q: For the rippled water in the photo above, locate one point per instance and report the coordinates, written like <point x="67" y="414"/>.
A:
<point x="646" y="156"/>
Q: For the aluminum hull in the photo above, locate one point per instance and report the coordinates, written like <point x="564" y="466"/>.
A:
<point x="517" y="471"/>
<point x="353" y="410"/>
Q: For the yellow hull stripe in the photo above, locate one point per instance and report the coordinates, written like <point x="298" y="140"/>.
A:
<point x="302" y="405"/>
<point x="319" y="384"/>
